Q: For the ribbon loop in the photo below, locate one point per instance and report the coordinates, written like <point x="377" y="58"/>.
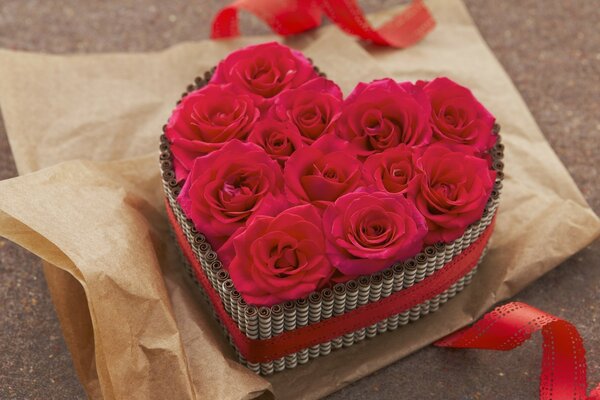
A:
<point x="284" y="17"/>
<point x="507" y="327"/>
<point x="290" y="17"/>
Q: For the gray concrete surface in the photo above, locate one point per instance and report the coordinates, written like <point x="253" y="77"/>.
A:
<point x="550" y="48"/>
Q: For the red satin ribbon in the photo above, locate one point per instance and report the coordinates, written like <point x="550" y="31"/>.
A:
<point x="507" y="327"/>
<point x="263" y="350"/>
<point x="289" y="17"/>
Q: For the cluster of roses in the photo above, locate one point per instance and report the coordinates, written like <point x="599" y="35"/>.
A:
<point x="297" y="187"/>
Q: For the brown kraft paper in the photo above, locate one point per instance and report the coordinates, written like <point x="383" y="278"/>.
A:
<point x="84" y="133"/>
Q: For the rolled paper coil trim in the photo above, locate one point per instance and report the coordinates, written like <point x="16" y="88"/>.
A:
<point x="292" y="341"/>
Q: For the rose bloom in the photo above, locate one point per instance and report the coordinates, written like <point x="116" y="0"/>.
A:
<point x="393" y="170"/>
<point x="452" y="191"/>
<point x="280" y="258"/>
<point x="369" y="231"/>
<point x="322" y="172"/>
<point x="228" y="186"/>
<point x="264" y="69"/>
<point x="205" y="120"/>
<point x="383" y="114"/>
<point x="279" y="139"/>
<point x="313" y="108"/>
<point x="456" y="115"/>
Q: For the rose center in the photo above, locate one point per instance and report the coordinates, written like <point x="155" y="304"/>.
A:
<point x="237" y="185"/>
<point x="266" y="78"/>
<point x="382" y="132"/>
<point x="259" y="70"/>
<point x="398" y="173"/>
<point x="445" y="190"/>
<point x="374" y="231"/>
<point x="454" y="116"/>
<point x="329" y="173"/>
<point x="309" y="116"/>
<point x="286" y="262"/>
<point x="310" y="119"/>
<point x="277" y="140"/>
<point x="373" y="121"/>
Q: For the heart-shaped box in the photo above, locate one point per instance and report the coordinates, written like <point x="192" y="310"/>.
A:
<point x="273" y="338"/>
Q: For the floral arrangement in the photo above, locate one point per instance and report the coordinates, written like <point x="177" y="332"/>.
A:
<point x="298" y="188"/>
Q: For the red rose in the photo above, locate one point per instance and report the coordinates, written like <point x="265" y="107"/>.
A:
<point x="368" y="180"/>
<point x="456" y="115"/>
<point x="279" y="139"/>
<point x="383" y="114"/>
<point x="451" y="191"/>
<point x="313" y="108"/>
<point x="322" y="172"/>
<point x="367" y="232"/>
<point x="264" y="69"/>
<point x="228" y="186"/>
<point x="205" y="120"/>
<point x="393" y="170"/>
<point x="281" y="258"/>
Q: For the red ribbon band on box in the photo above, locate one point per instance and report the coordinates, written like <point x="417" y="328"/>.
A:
<point x="289" y="17"/>
<point x="265" y="350"/>
<point x="507" y="327"/>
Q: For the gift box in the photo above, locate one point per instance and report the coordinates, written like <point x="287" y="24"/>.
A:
<point x="281" y="336"/>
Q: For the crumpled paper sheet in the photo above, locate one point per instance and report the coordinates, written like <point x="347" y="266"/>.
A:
<point x="134" y="326"/>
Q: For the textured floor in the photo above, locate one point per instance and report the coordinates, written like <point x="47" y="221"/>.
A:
<point x="551" y="49"/>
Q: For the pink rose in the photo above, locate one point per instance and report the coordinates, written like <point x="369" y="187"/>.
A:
<point x="313" y="108"/>
<point x="264" y="69"/>
<point x="383" y="114"/>
<point x="322" y="172"/>
<point x="393" y="170"/>
<point x="451" y="191"/>
<point x="280" y="258"/>
<point x="456" y="115"/>
<point x="228" y="186"/>
<point x="205" y="120"/>
<point x="279" y="139"/>
<point x="367" y="232"/>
